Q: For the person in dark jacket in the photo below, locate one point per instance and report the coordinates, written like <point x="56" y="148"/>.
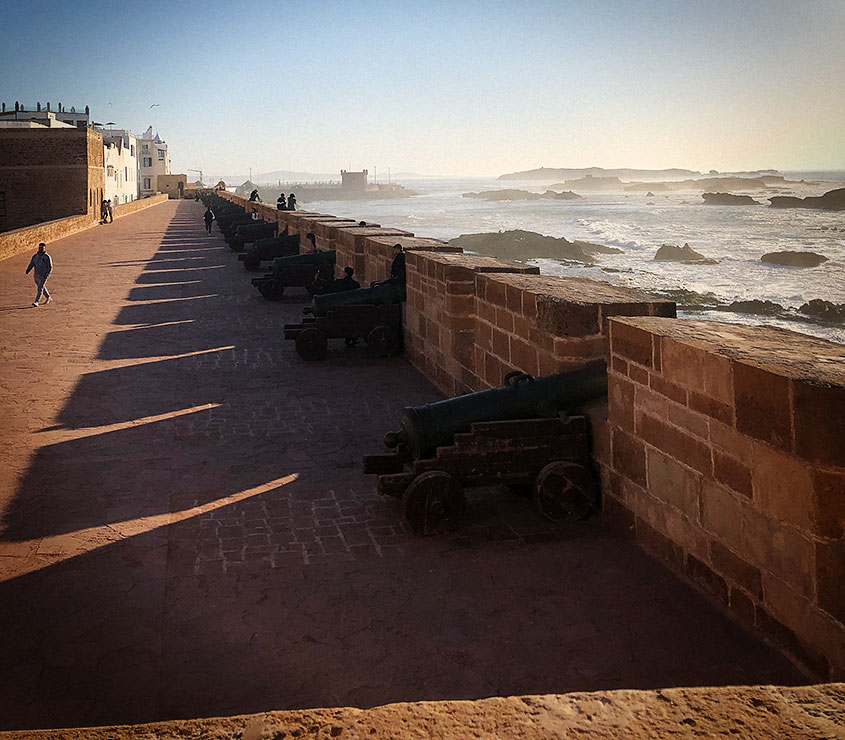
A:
<point x="397" y="267"/>
<point x="254" y="197"/>
<point x="209" y="217"/>
<point x="42" y="263"/>
<point x="346" y="282"/>
<point x="280" y="203"/>
<point x="291" y="202"/>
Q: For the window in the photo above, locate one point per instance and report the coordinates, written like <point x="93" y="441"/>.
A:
<point x="81" y="124"/>
<point x="148" y="162"/>
<point x="161" y="155"/>
<point x="132" y="150"/>
<point x="145" y="148"/>
<point x="126" y="174"/>
<point x="147" y="184"/>
<point x="110" y="171"/>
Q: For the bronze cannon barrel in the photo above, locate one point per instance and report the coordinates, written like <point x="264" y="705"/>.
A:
<point x="280" y="264"/>
<point x="425" y="428"/>
<point x="377" y="295"/>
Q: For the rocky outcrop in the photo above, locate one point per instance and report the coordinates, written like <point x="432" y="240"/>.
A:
<point x="565" y="195"/>
<point x="832" y="200"/>
<point x="591" y="248"/>
<point x="794" y="259"/>
<point x="763" y="308"/>
<point x="523" y="245"/>
<point x="728" y="199"/>
<point x="504" y="195"/>
<point x="831" y="313"/>
<point x="682" y="254"/>
<point x="589" y="182"/>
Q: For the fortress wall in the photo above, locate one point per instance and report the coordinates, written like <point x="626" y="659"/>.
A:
<point x="439" y="315"/>
<point x="379" y="253"/>
<point x="726" y="460"/>
<point x="721" y="449"/>
<point x="544" y="325"/>
<point x="26" y="239"/>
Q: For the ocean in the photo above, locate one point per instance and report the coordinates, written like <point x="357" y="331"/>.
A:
<point x="736" y="236"/>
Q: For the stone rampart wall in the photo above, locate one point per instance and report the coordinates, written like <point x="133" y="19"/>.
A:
<point x="721" y="449"/>
<point x="724" y="456"/>
<point x="26" y="239"/>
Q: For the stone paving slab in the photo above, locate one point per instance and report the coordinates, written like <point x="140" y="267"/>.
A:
<point x="755" y="712"/>
<point x="186" y="530"/>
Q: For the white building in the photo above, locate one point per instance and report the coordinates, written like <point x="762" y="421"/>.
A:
<point x="120" y="158"/>
<point x="153" y="160"/>
<point x="45" y="115"/>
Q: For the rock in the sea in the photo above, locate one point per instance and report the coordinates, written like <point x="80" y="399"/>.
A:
<point x="504" y="195"/>
<point x="832" y="200"/>
<point x="833" y="313"/>
<point x="728" y="199"/>
<point x="682" y="254"/>
<point x="591" y="248"/>
<point x="565" y="195"/>
<point x="690" y="299"/>
<point x="764" y="308"/>
<point x="523" y="245"/>
<point x="794" y="259"/>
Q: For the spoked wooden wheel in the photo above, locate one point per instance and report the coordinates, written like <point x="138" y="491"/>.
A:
<point x="383" y="341"/>
<point x="271" y="290"/>
<point x="434" y="503"/>
<point x="564" y="491"/>
<point x="311" y="344"/>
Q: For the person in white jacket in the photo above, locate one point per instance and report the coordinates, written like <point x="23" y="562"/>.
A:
<point x="42" y="263"/>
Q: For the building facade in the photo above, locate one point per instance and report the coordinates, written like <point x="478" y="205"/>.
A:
<point x="120" y="156"/>
<point x="80" y="119"/>
<point x="154" y="160"/>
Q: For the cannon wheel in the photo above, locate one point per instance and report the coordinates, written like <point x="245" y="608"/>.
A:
<point x="383" y="341"/>
<point x="311" y="344"/>
<point x="564" y="491"/>
<point x="252" y="263"/>
<point x="434" y="503"/>
<point x="271" y="290"/>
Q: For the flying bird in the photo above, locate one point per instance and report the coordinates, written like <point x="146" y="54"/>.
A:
<point x="153" y="105"/>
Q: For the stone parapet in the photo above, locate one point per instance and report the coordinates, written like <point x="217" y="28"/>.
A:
<point x="544" y="325"/>
<point x="351" y="247"/>
<point x="379" y="252"/>
<point x="440" y="315"/>
<point x="724" y="455"/>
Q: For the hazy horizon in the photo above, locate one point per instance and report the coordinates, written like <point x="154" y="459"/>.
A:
<point x="475" y="90"/>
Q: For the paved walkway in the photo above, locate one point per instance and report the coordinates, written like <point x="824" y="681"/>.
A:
<point x="187" y="532"/>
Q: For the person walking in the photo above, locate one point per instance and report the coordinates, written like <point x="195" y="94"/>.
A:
<point x="42" y="263"/>
<point x="209" y="217"/>
<point x="110" y="210"/>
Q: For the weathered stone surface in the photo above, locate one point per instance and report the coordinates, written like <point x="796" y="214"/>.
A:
<point x="794" y="259"/>
<point x="759" y="712"/>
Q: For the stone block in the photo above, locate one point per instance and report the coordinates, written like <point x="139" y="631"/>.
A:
<point x="777" y="548"/>
<point x="703" y="404"/>
<point x="658" y="544"/>
<point x="673" y="483"/>
<point x="730" y="440"/>
<point x="761" y="400"/>
<point x="678" y="444"/>
<point x="819" y="414"/>
<point x="638" y="374"/>
<point x="631" y="343"/>
<point x="667" y="388"/>
<point x="830" y="577"/>
<point x="504" y="320"/>
<point x="735" y="569"/>
<point x="788" y="640"/>
<point x="689" y="421"/>
<point x="524" y="357"/>
<point x="722" y="515"/>
<point x="629" y="456"/>
<point x="742" y="606"/>
<point x="620" y="395"/>
<point x="702" y="575"/>
<point x="828" y="515"/>
<point x="783" y="485"/>
<point x="732" y="473"/>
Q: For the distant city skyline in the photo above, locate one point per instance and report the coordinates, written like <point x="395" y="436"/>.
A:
<point x="476" y="88"/>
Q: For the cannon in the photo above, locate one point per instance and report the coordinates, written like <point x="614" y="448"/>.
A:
<point x="376" y="295"/>
<point x="268" y="249"/>
<point x="380" y="325"/>
<point x="247" y="233"/>
<point x="296" y="271"/>
<point x="518" y="434"/>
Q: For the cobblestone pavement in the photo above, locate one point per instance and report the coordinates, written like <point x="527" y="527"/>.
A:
<point x="187" y="531"/>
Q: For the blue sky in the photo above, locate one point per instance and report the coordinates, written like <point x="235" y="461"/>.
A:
<point x="449" y="88"/>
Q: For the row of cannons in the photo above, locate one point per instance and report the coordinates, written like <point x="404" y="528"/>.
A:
<point x="520" y="434"/>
